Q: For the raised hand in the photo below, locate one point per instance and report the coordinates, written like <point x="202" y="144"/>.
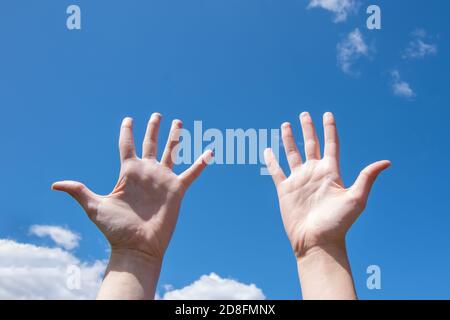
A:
<point x="139" y="216"/>
<point x="316" y="208"/>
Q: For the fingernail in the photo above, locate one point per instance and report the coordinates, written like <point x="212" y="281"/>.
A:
<point x="127" y="121"/>
<point x="177" y="123"/>
<point x="328" y="116"/>
<point x="208" y="157"/>
<point x="156" y="115"/>
<point x="304" y="114"/>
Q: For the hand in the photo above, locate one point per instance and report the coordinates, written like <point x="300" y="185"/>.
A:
<point x="316" y="208"/>
<point x="139" y="216"/>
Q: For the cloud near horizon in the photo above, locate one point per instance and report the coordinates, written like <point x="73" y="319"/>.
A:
<point x="213" y="287"/>
<point x="62" y="237"/>
<point x="30" y="271"/>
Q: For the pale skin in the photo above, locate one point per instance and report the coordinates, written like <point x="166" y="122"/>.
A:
<point x="139" y="216"/>
<point x="318" y="210"/>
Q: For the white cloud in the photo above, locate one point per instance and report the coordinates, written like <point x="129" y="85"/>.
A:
<point x="400" y="87"/>
<point x="28" y="271"/>
<point x="350" y="49"/>
<point x="420" y="46"/>
<point x="62" y="237"/>
<point x="340" y="8"/>
<point x="213" y="287"/>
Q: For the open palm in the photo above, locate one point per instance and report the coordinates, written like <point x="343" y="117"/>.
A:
<point x="142" y="210"/>
<point x="316" y="207"/>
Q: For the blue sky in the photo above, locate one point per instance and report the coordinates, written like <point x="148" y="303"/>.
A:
<point x="233" y="64"/>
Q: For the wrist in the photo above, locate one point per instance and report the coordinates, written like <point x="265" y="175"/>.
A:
<point x="135" y="257"/>
<point x="131" y="275"/>
<point x="325" y="272"/>
<point x="336" y="248"/>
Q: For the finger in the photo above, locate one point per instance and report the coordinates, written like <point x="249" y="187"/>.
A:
<point x="126" y="141"/>
<point x="331" y="148"/>
<point x="169" y="154"/>
<point x="366" y="179"/>
<point x="290" y="147"/>
<point x="312" y="150"/>
<point x="150" y="144"/>
<point x="85" y="197"/>
<point x="188" y="176"/>
<point x="273" y="167"/>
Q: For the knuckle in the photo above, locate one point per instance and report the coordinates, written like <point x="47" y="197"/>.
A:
<point x="79" y="187"/>
<point x="357" y="201"/>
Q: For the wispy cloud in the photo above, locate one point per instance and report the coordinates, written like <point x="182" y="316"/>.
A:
<point x="340" y="8"/>
<point x="28" y="271"/>
<point x="420" y="46"/>
<point x="401" y="88"/>
<point x="213" y="287"/>
<point x="350" y="49"/>
<point x="61" y="236"/>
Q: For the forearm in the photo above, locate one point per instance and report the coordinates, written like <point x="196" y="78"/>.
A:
<point x="325" y="274"/>
<point x="131" y="275"/>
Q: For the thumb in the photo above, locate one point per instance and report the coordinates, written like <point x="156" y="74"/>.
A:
<point x="366" y="179"/>
<point x="85" y="197"/>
